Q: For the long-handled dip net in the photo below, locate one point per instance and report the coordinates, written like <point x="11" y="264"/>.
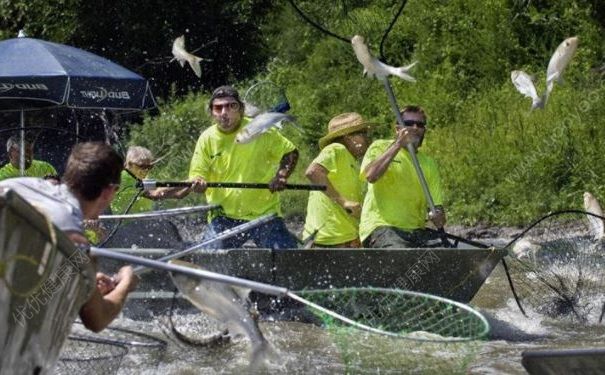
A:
<point x="144" y="350"/>
<point x="398" y="313"/>
<point x="558" y="267"/>
<point x="90" y="356"/>
<point x="265" y="96"/>
<point x="382" y="313"/>
<point x="392" y="330"/>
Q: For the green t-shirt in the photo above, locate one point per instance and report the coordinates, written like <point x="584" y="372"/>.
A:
<point x="335" y="225"/>
<point x="38" y="168"/>
<point x="126" y="194"/>
<point x="218" y="158"/>
<point x="397" y="199"/>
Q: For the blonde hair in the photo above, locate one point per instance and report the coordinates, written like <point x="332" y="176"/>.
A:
<point x="138" y="155"/>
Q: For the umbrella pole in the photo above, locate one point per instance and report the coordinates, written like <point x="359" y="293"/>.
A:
<point x="22" y="145"/>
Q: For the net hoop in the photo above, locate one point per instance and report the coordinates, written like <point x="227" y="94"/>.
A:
<point x="479" y="319"/>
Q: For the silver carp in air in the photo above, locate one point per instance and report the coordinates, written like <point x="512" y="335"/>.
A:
<point x="591" y="205"/>
<point x="261" y="124"/>
<point x="558" y="62"/>
<point x="182" y="56"/>
<point x="525" y="85"/>
<point x="376" y="68"/>
<point x="228" y="304"/>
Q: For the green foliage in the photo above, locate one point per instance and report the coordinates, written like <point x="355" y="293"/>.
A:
<point x="54" y="20"/>
<point x="501" y="163"/>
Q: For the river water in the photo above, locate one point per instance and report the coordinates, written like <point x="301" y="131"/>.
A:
<point x="301" y="348"/>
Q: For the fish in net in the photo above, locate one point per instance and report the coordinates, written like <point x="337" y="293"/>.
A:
<point x="144" y="350"/>
<point x="557" y="267"/>
<point x="88" y="356"/>
<point x="265" y="96"/>
<point x="414" y="332"/>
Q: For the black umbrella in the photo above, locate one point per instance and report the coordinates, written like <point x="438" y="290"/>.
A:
<point x="36" y="74"/>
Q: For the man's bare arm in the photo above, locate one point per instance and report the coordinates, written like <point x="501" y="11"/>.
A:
<point x="286" y="167"/>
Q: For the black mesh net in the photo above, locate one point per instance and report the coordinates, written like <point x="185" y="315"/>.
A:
<point x="557" y="267"/>
<point x="144" y="350"/>
<point x="346" y="18"/>
<point x="85" y="356"/>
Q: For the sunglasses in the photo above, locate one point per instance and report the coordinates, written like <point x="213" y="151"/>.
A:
<point x="233" y="106"/>
<point x="420" y="124"/>
<point x="144" y="166"/>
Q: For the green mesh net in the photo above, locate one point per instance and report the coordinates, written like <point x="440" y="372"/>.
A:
<point x="399" y="313"/>
<point x="364" y="352"/>
<point x="409" y="332"/>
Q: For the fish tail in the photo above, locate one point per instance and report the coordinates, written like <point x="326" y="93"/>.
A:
<point x="403" y="72"/>
<point x="194" y="63"/>
<point x="262" y="352"/>
<point x="538" y="103"/>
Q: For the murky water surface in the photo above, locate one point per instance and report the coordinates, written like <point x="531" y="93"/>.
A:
<point x="305" y="348"/>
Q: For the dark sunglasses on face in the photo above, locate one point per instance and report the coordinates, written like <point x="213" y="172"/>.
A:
<point x="144" y="166"/>
<point x="233" y="106"/>
<point x="418" y="123"/>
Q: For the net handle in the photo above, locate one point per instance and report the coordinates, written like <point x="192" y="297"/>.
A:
<point x="221" y="236"/>
<point x="283" y="292"/>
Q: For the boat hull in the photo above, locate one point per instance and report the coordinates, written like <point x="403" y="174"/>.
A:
<point x="45" y="280"/>
<point x="456" y="274"/>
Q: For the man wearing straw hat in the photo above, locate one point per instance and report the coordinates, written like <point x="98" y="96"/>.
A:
<point x="333" y="215"/>
<point x="269" y="158"/>
<point x="395" y="209"/>
<point x="33" y="168"/>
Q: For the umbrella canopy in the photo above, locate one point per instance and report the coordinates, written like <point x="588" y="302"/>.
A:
<point x="35" y="73"/>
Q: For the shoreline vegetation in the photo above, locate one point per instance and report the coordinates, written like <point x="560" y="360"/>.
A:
<point x="501" y="164"/>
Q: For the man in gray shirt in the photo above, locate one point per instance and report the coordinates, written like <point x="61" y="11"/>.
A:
<point x="91" y="178"/>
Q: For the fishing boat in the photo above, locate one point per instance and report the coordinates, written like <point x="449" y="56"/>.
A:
<point x="456" y="274"/>
<point x="44" y="280"/>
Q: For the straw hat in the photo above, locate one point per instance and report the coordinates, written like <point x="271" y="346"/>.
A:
<point x="343" y="124"/>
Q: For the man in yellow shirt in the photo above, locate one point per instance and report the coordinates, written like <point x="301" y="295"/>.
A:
<point x="395" y="209"/>
<point x="269" y="158"/>
<point x="129" y="199"/>
<point x="33" y="168"/>
<point x="333" y="215"/>
<point x="139" y="162"/>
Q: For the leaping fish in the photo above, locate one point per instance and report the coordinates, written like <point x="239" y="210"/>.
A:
<point x="559" y="60"/>
<point x="374" y="67"/>
<point x="261" y="124"/>
<point x="182" y="56"/>
<point x="524" y="248"/>
<point x="525" y="85"/>
<point x="228" y="304"/>
<point x="557" y="64"/>
<point x="591" y="205"/>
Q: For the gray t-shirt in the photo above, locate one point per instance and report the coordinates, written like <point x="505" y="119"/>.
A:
<point x="56" y="201"/>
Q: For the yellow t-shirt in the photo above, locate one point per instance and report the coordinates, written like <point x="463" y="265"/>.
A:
<point x="397" y="199"/>
<point x="38" y="168"/>
<point x="126" y="194"/>
<point x="218" y="158"/>
<point x="335" y="225"/>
